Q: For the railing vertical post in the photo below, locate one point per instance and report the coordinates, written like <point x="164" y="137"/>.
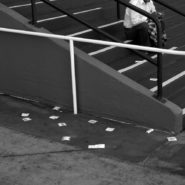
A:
<point x="159" y="77"/>
<point x="159" y="63"/>
<point x="73" y="76"/>
<point x="118" y="9"/>
<point x="34" y="12"/>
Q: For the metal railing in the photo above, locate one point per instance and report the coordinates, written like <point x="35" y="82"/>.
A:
<point x="99" y="42"/>
<point x="97" y="30"/>
<point x="159" y="33"/>
<point x="159" y="41"/>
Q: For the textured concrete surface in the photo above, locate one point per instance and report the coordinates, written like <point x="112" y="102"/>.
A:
<point x="33" y="153"/>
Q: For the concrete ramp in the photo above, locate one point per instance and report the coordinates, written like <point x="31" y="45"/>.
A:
<point x="39" y="68"/>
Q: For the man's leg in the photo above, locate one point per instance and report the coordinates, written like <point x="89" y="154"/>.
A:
<point x="142" y="34"/>
<point x="130" y="34"/>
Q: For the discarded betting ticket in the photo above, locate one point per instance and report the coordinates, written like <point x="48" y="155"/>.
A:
<point x="62" y="124"/>
<point x="172" y="138"/>
<point x="56" y="108"/>
<point x="54" y="117"/>
<point x="150" y="130"/>
<point x="66" y="138"/>
<point x="98" y="146"/>
<point x="26" y="119"/>
<point x="92" y="121"/>
<point x="25" y="114"/>
<point x="109" y="129"/>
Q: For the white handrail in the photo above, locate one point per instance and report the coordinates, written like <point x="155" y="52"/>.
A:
<point x="72" y="55"/>
<point x="93" y="41"/>
<point x="73" y="77"/>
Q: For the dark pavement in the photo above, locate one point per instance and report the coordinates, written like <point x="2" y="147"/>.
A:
<point x="127" y="142"/>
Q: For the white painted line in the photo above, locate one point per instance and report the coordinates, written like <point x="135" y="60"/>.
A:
<point x="102" y="50"/>
<point x="86" y="11"/>
<point x="132" y="66"/>
<point x="153" y="79"/>
<point x="62" y="16"/>
<point x="183" y="111"/>
<point x="80" y="33"/>
<point x="88" y="30"/>
<point x="139" y="63"/>
<point x="173" y="48"/>
<point x="28" y="4"/>
<point x="106" y="49"/>
<point x="51" y="18"/>
<point x="176" y="77"/>
<point x="111" y="24"/>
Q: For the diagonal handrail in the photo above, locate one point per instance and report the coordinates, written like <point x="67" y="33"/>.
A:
<point x="159" y="41"/>
<point x="99" y="31"/>
<point x="72" y="51"/>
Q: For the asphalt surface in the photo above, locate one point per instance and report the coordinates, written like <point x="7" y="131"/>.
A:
<point x="126" y="142"/>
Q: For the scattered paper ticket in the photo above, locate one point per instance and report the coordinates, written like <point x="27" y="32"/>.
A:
<point x="54" y="117"/>
<point x="96" y="146"/>
<point x="172" y="138"/>
<point x="66" y="138"/>
<point x="27" y="119"/>
<point x="25" y="114"/>
<point x="92" y="121"/>
<point x="56" y="108"/>
<point x="109" y="129"/>
<point x="150" y="130"/>
<point x="62" y="124"/>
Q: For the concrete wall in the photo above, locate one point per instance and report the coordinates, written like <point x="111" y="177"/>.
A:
<point x="39" y="68"/>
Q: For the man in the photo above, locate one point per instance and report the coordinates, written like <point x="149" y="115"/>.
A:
<point x="136" y="26"/>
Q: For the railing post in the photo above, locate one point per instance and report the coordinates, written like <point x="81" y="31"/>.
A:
<point x="159" y="62"/>
<point x="34" y="12"/>
<point x="159" y="77"/>
<point x="73" y="76"/>
<point x="118" y="9"/>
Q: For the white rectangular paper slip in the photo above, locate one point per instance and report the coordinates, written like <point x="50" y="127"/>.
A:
<point x="66" y="138"/>
<point x="54" y="117"/>
<point x="62" y="124"/>
<point x="92" y="121"/>
<point x="96" y="146"/>
<point x="26" y="119"/>
<point x="150" y="130"/>
<point x="56" y="108"/>
<point x="109" y="129"/>
<point x="171" y="138"/>
<point x="25" y="114"/>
